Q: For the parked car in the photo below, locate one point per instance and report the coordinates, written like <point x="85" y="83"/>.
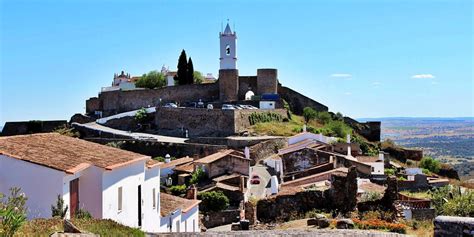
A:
<point x="255" y="179"/>
<point x="248" y="107"/>
<point x="228" y="106"/>
<point x="200" y="104"/>
<point x="170" y="105"/>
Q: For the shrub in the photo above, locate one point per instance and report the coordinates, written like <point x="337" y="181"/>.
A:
<point x="83" y="214"/>
<point x="377" y="224"/>
<point x="12" y="212"/>
<point x="60" y="209"/>
<point x="309" y="114"/>
<point x="451" y="201"/>
<point x="67" y="131"/>
<point x="430" y="164"/>
<point x="140" y="115"/>
<point x="198" y="176"/>
<point x="389" y="171"/>
<point x="178" y="189"/>
<point x="338" y="128"/>
<point x="255" y="118"/>
<point x="324" y="117"/>
<point x="370" y="196"/>
<point x="387" y="143"/>
<point x="213" y="201"/>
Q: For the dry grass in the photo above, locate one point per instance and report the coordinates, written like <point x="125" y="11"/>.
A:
<point x="289" y="128"/>
<point x="420" y="229"/>
<point x="424" y="195"/>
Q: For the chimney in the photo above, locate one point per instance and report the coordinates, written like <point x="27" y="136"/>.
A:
<point x="348" y="140"/>
<point x="167" y="158"/>
<point x="192" y="193"/>
<point x="247" y="152"/>
<point x="242" y="184"/>
<point x="304" y="127"/>
<point x="381" y="156"/>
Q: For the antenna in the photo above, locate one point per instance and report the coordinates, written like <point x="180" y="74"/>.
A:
<point x="222" y="26"/>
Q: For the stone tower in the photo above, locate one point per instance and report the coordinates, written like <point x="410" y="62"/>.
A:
<point x="228" y="54"/>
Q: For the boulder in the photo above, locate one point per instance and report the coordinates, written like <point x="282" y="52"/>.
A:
<point x="320" y="220"/>
<point x="312" y="221"/>
<point x="323" y="222"/>
<point x="345" y="224"/>
<point x="69" y="227"/>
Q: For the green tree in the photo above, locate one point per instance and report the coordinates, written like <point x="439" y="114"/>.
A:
<point x="151" y="80"/>
<point x="309" y="114"/>
<point x="213" y="201"/>
<point x="197" y="176"/>
<point x="190" y="72"/>
<point x="430" y="164"/>
<point x="178" y="189"/>
<point x="339" y="116"/>
<point x="60" y="209"/>
<point x="198" y="77"/>
<point x="141" y="115"/>
<point x="338" y="128"/>
<point x="182" y="68"/>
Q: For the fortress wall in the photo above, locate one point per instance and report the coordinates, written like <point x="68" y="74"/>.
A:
<point x="228" y="84"/>
<point x="30" y="127"/>
<point x="204" y="122"/>
<point x="112" y="102"/>
<point x="267" y="82"/>
<point x="246" y="82"/>
<point x="298" y="101"/>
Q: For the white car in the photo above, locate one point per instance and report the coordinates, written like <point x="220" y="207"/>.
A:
<point x="228" y="106"/>
<point x="170" y="105"/>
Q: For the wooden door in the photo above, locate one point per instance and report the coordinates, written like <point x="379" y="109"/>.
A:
<point x="73" y="196"/>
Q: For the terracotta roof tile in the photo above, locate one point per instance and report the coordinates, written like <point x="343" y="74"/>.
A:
<point x="170" y="203"/>
<point x="176" y="162"/>
<point x="216" y="156"/>
<point x="367" y="159"/>
<point x="65" y="153"/>
<point x="189" y="167"/>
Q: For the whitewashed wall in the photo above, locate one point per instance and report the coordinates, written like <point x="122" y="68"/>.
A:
<point x="127" y="177"/>
<point x="190" y="220"/>
<point x="303" y="136"/>
<point x="151" y="216"/>
<point x="40" y="184"/>
<point x="378" y="167"/>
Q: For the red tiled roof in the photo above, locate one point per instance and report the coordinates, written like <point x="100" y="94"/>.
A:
<point x="216" y="156"/>
<point x="170" y="203"/>
<point x="189" y="167"/>
<point x="367" y="159"/>
<point x="176" y="162"/>
<point x="65" y="153"/>
<point x="306" y="143"/>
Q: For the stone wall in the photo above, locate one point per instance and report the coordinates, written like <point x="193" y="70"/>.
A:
<point x="204" y="122"/>
<point x="423" y="214"/>
<point x="213" y="219"/>
<point x="370" y="130"/>
<point x="265" y="149"/>
<point x="420" y="183"/>
<point x="113" y="102"/>
<point x="453" y="226"/>
<point x="404" y="154"/>
<point x="246" y="83"/>
<point x="302" y="160"/>
<point x="33" y="126"/>
<point x="228" y="84"/>
<point x="298" y="101"/>
<point x="267" y="82"/>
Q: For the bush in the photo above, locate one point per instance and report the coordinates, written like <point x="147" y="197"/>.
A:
<point x="213" y="201"/>
<point x="141" y="115"/>
<point x="376" y="224"/>
<point x="198" y="176"/>
<point x="388" y="143"/>
<point x="370" y="196"/>
<point x="83" y="214"/>
<point x="324" y="117"/>
<point x="389" y="172"/>
<point x="255" y="118"/>
<point x="12" y="212"/>
<point x="338" y="128"/>
<point x="60" y="209"/>
<point x="450" y="201"/>
<point x="67" y="131"/>
<point x="430" y="164"/>
<point x="178" y="189"/>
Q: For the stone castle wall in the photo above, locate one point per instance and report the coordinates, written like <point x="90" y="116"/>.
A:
<point x="29" y="127"/>
<point x="204" y="122"/>
<point x="112" y="102"/>
<point x="267" y="82"/>
<point x="228" y="85"/>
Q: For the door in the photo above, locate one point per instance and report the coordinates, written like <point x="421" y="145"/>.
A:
<point x="73" y="196"/>
<point x="139" y="205"/>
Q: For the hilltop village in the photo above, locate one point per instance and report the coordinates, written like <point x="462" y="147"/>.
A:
<point x="239" y="151"/>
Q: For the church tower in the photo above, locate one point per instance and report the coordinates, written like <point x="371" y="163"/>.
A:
<point x="228" y="59"/>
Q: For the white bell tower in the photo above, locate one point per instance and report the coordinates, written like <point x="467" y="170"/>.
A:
<point x="228" y="59"/>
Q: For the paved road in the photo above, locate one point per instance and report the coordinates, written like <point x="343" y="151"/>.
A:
<point x="134" y="135"/>
<point x="260" y="190"/>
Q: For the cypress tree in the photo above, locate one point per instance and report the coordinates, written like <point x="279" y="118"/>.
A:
<point x="182" y="68"/>
<point x="190" y="72"/>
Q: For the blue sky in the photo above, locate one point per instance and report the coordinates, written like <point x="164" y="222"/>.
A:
<point x="363" y="58"/>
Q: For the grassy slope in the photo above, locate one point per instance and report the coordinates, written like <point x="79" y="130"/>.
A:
<point x="45" y="227"/>
<point x="289" y="128"/>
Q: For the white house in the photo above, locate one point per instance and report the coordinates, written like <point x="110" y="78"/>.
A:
<point x="376" y="163"/>
<point x="107" y="182"/>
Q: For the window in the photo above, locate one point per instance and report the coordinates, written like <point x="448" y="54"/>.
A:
<point x="194" y="225"/>
<point x="227" y="49"/>
<point x="177" y="226"/>
<point x="373" y="169"/>
<point x="154" y="198"/>
<point x="119" y="199"/>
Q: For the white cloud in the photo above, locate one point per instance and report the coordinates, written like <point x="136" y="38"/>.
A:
<point x="348" y="93"/>
<point x="342" y="75"/>
<point x="423" y="76"/>
<point x="376" y="83"/>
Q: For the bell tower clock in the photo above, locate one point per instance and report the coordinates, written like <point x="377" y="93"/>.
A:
<point x="228" y="56"/>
